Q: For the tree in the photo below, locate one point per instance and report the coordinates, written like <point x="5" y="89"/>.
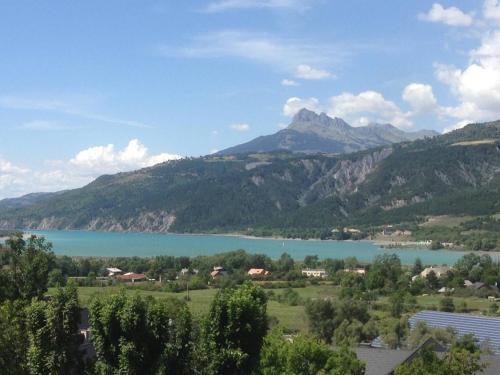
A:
<point x="384" y="272"/>
<point x="447" y="304"/>
<point x="285" y="263"/>
<point x="13" y="340"/>
<point x="52" y="329"/>
<point x="322" y="318"/>
<point x="417" y="267"/>
<point x="29" y="265"/>
<point x="234" y="330"/>
<point x="311" y="261"/>
<point x="133" y="335"/>
<point x="432" y="280"/>
<point x="305" y="356"/>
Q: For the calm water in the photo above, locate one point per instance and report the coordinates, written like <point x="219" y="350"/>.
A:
<point x="83" y="243"/>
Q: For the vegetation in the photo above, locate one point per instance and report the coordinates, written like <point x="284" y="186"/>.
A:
<point x="224" y="328"/>
<point x="293" y="195"/>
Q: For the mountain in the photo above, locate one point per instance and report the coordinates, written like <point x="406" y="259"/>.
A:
<point x="25" y="200"/>
<point x="310" y="132"/>
<point x="284" y="192"/>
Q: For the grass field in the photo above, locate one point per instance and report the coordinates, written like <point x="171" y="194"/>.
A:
<point x="292" y="318"/>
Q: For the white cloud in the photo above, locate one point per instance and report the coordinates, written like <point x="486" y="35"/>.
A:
<point x="477" y="86"/>
<point x="84" y="167"/>
<point x="284" y="54"/>
<point x="281" y="126"/>
<point x="240" y="127"/>
<point x="458" y="125"/>
<point x="226" y="5"/>
<point x="294" y="104"/>
<point x="106" y="159"/>
<point x="420" y="97"/>
<point x="491" y="9"/>
<point x="289" y="82"/>
<point x="450" y="16"/>
<point x="357" y="109"/>
<point x="306" y="72"/>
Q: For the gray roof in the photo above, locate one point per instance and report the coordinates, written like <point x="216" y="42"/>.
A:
<point x="381" y="361"/>
<point x="486" y="330"/>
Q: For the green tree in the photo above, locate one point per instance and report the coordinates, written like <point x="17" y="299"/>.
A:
<point x="447" y="304"/>
<point x="52" y="329"/>
<point x="234" y="330"/>
<point x="304" y="355"/>
<point x="322" y="318"/>
<point x="417" y="267"/>
<point x="133" y="335"/>
<point x="29" y="265"/>
<point x="285" y="263"/>
<point x="13" y="339"/>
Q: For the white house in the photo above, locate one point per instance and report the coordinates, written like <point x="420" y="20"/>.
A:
<point x="112" y="271"/>
<point x="438" y="271"/>
<point x="313" y="272"/>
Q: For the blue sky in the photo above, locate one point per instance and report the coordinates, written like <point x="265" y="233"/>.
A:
<point x="98" y="87"/>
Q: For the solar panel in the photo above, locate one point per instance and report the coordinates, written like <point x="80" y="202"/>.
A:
<point x="486" y="330"/>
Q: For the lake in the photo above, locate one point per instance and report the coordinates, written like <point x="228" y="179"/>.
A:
<point x="86" y="243"/>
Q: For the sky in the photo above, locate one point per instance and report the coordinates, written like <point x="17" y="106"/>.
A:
<point x="95" y="87"/>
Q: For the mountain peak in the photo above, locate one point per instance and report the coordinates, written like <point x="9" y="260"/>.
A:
<point x="305" y="115"/>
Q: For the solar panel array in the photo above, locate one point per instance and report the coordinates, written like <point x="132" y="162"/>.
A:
<point x="486" y="330"/>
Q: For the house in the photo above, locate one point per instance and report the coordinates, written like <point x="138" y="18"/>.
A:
<point x="359" y="271"/>
<point x="218" y="272"/>
<point x="86" y="347"/>
<point x="387" y="230"/>
<point x="131" y="277"/>
<point x="446" y="290"/>
<point x="468" y="283"/>
<point x="380" y="361"/>
<point x="112" y="271"/>
<point x="438" y="271"/>
<point x="255" y="272"/>
<point x="313" y="272"/>
<point x="351" y="230"/>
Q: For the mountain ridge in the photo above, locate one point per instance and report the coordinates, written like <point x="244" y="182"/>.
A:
<point x="311" y="132"/>
<point x="455" y="173"/>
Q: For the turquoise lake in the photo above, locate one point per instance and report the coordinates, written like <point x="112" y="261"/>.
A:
<point x="85" y="243"/>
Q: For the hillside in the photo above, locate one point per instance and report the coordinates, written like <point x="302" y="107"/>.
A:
<point x="310" y="133"/>
<point x="457" y="173"/>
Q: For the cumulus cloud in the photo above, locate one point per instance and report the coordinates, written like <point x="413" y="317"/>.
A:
<point x="240" y="127"/>
<point x="226" y="5"/>
<point x="491" y="9"/>
<point x="368" y="104"/>
<point x="295" y="104"/>
<point x="420" y="97"/>
<point x="84" y="167"/>
<point x="289" y="82"/>
<point x="458" y="125"/>
<point x="106" y="159"/>
<point x="477" y="86"/>
<point x="307" y="72"/>
<point x="452" y="16"/>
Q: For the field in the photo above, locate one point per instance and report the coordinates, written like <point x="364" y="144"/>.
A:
<point x="293" y="318"/>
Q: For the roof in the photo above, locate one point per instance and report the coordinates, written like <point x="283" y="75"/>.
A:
<point x="113" y="269"/>
<point x="485" y="329"/>
<point x="257" y="271"/>
<point x="381" y="361"/>
<point x="132" y="276"/>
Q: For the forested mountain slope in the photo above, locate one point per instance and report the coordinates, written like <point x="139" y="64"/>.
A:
<point x="456" y="173"/>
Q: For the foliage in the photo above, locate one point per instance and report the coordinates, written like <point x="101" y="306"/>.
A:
<point x="302" y="355"/>
<point x="133" y="335"/>
<point x="52" y="329"/>
<point x="234" y="330"/>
